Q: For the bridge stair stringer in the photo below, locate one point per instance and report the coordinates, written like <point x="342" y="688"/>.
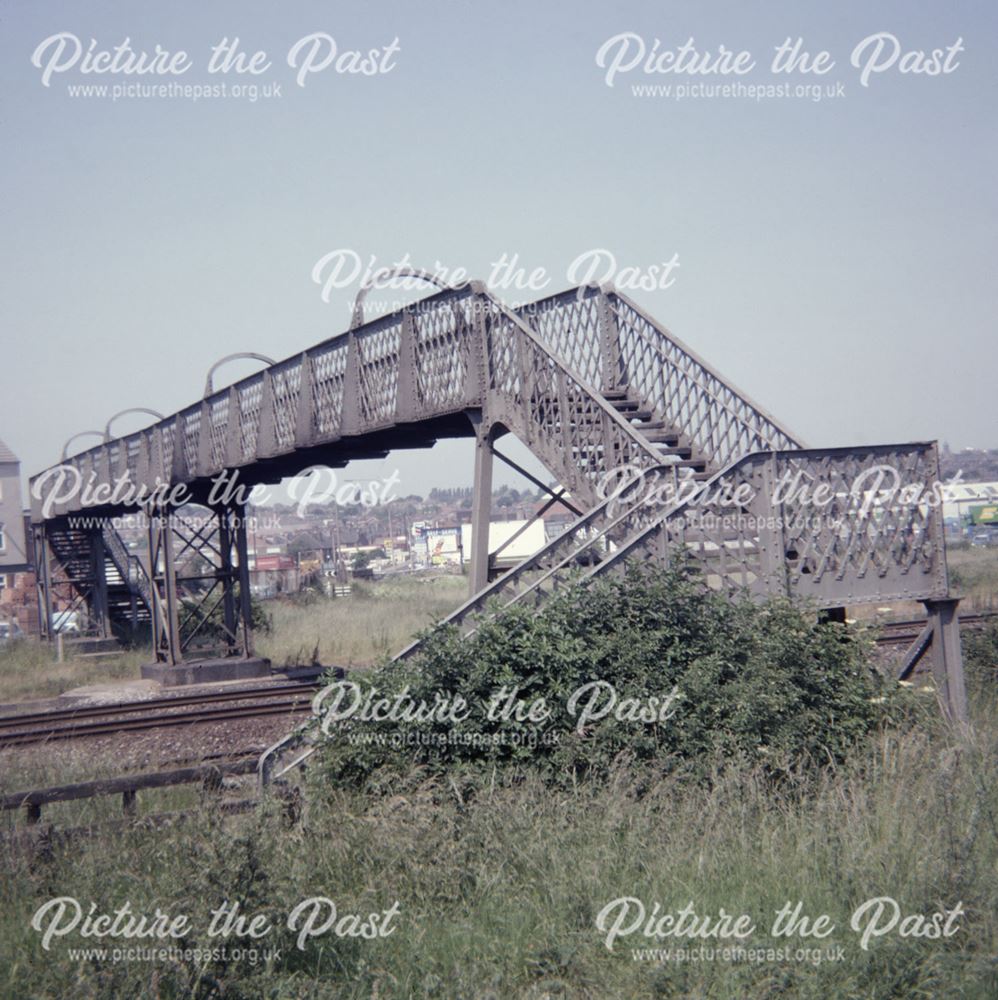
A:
<point x="748" y="534"/>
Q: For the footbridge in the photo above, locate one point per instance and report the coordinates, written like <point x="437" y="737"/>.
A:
<point x="653" y="449"/>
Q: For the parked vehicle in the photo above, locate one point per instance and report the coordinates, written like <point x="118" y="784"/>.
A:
<point x="9" y="631"/>
<point x="66" y="622"/>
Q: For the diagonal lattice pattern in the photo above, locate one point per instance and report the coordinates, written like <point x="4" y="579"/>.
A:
<point x="442" y="355"/>
<point x="461" y="347"/>
<point x="836" y="526"/>
<point x="610" y="342"/>
<point x="329" y="366"/>
<point x="378" y="370"/>
<point x="717" y="418"/>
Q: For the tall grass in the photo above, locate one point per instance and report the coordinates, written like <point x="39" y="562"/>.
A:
<point x="499" y="886"/>
<point x="499" y="880"/>
<point x="974" y="576"/>
<point x="28" y="670"/>
<point x="376" y="619"/>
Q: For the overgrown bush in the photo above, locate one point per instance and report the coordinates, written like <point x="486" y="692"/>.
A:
<point x="767" y="685"/>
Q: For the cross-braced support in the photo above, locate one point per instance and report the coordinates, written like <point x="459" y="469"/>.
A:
<point x="198" y="564"/>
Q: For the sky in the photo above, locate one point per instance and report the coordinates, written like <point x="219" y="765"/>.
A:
<point x="834" y="258"/>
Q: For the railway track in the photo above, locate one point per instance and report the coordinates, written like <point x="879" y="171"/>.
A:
<point x="258" y="702"/>
<point x="897" y="632"/>
<point x="156" y="713"/>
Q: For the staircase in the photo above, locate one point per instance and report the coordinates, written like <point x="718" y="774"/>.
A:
<point x="639" y="520"/>
<point x="129" y="594"/>
<point x="671" y="444"/>
<point x="662" y="425"/>
<point x="125" y="580"/>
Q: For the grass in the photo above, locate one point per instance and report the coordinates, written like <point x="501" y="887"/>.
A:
<point x="974" y="576"/>
<point x="376" y="619"/>
<point x="28" y="670"/>
<point x="498" y="888"/>
<point x="499" y="883"/>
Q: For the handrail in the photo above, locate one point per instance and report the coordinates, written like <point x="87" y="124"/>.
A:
<point x="770" y="434"/>
<point x="174" y="421"/>
<point x="130" y="409"/>
<point x="124" y="560"/>
<point x="699" y="380"/>
<point x="357" y="316"/>
<point x="621" y="332"/>
<point x="69" y="441"/>
<point x="338" y="387"/>
<point x="209" y="387"/>
<point x="758" y="551"/>
<point x="639" y="446"/>
<point x="537" y="560"/>
<point x="764" y="507"/>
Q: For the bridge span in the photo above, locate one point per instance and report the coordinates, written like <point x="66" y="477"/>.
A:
<point x="655" y="450"/>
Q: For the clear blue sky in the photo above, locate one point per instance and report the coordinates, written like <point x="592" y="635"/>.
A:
<point x="837" y="259"/>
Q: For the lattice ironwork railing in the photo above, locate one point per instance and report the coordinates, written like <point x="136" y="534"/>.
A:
<point x="456" y="349"/>
<point x="586" y="542"/>
<point x="719" y="420"/>
<point x="411" y="365"/>
<point x="611" y="342"/>
<point x="573" y="325"/>
<point x="553" y="409"/>
<point x="836" y="526"/>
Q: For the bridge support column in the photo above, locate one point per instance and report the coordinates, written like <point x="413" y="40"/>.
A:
<point x="162" y="576"/>
<point x="242" y="569"/>
<point x="481" y="512"/>
<point x="947" y="657"/>
<point x="226" y="575"/>
<point x="233" y="574"/>
<point x="43" y="580"/>
<point x="201" y="588"/>
<point x="100" y="614"/>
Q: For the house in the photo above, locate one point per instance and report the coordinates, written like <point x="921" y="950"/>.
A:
<point x="13" y="544"/>
<point x="17" y="580"/>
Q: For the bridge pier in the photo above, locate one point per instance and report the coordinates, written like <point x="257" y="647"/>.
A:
<point x="159" y="567"/>
<point x="947" y="656"/>
<point x="201" y="589"/>
<point x="100" y="613"/>
<point x="941" y="640"/>
<point x="43" y="579"/>
<point x="481" y="512"/>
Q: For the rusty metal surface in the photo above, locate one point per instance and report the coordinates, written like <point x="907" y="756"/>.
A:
<point x="592" y="385"/>
<point x="613" y="342"/>
<point x="755" y="529"/>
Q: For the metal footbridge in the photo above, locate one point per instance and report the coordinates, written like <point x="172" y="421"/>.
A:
<point x="655" y="451"/>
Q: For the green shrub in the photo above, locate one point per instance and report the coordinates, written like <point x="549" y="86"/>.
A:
<point x="766" y="684"/>
<point x="213" y="629"/>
